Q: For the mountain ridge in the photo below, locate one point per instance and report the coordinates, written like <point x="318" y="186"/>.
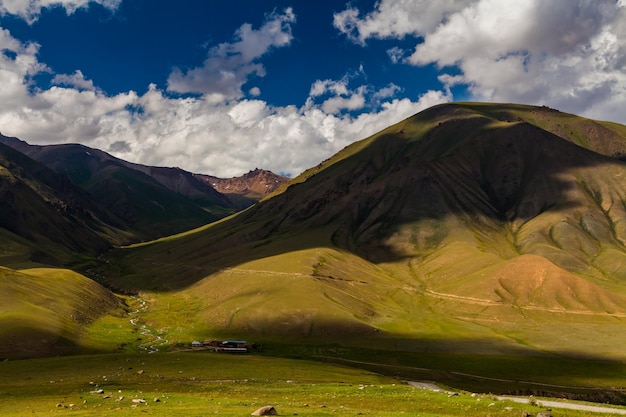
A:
<point x="150" y="202"/>
<point x="449" y="213"/>
<point x="490" y="229"/>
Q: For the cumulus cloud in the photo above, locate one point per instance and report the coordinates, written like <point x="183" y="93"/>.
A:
<point x="30" y="10"/>
<point x="396" y="54"/>
<point x="230" y="64"/>
<point x="218" y="132"/>
<point x="568" y="54"/>
<point x="195" y="133"/>
<point x="337" y="96"/>
<point x="76" y="80"/>
<point x="254" y="91"/>
<point x="396" y="18"/>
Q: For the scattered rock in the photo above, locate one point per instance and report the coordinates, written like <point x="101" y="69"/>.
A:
<point x="157" y="400"/>
<point x="268" y="410"/>
<point x="139" y="400"/>
<point x="544" y="414"/>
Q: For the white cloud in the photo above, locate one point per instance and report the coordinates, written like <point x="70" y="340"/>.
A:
<point x="219" y="132"/>
<point x="229" y="65"/>
<point x="396" y="54"/>
<point x="564" y="53"/>
<point x="194" y="133"/>
<point x="337" y="87"/>
<point x="255" y="91"/>
<point x="338" y="97"/>
<point x="76" y="80"/>
<point x="396" y="18"/>
<point x="30" y="10"/>
<point x="387" y="92"/>
<point x="338" y="104"/>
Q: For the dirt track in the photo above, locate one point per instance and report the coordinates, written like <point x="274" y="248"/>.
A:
<point x="524" y="400"/>
<point x="527" y="400"/>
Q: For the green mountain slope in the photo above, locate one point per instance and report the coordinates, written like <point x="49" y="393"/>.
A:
<point x="44" y="311"/>
<point x="467" y="227"/>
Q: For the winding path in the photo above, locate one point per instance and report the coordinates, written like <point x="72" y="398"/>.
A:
<point x="525" y="400"/>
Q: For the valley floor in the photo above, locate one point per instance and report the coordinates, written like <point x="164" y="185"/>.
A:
<point x="197" y="384"/>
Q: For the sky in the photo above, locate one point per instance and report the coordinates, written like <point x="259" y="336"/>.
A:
<point x="222" y="88"/>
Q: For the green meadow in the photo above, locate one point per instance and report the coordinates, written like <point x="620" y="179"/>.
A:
<point x="203" y="383"/>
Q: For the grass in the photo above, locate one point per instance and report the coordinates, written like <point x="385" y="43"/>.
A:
<point x="50" y="306"/>
<point x="202" y="383"/>
<point x="459" y="359"/>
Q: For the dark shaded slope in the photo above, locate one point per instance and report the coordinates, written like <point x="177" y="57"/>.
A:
<point x="188" y="185"/>
<point x="45" y="311"/>
<point x="492" y="177"/>
<point x="150" y="201"/>
<point x="449" y="174"/>
<point x="46" y="209"/>
<point x="452" y="231"/>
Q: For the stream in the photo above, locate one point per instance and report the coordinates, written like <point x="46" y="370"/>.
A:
<point x="151" y="342"/>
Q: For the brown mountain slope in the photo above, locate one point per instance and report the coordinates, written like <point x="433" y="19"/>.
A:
<point x="47" y="215"/>
<point x="149" y="201"/>
<point x="464" y="221"/>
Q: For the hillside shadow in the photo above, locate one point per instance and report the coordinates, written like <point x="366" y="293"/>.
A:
<point x="513" y="371"/>
<point x="23" y="341"/>
<point x="481" y="173"/>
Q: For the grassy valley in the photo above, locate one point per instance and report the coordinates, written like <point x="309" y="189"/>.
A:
<point x="481" y="246"/>
<point x="502" y="237"/>
<point x="197" y="384"/>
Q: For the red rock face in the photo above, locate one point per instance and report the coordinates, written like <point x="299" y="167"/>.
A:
<point x="248" y="188"/>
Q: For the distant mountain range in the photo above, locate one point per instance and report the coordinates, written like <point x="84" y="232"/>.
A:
<point x="467" y="228"/>
<point x="118" y="202"/>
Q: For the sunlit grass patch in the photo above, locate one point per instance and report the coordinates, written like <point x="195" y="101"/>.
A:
<point x="200" y="384"/>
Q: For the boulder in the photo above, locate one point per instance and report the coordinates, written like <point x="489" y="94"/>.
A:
<point x="268" y="410"/>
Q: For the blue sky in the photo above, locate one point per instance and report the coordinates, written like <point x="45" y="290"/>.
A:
<point x="142" y="41"/>
<point x="224" y="87"/>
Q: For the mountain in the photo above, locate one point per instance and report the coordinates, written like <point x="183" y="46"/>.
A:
<point x="248" y="188"/>
<point x="469" y="227"/>
<point x="150" y="201"/>
<point x="46" y="218"/>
